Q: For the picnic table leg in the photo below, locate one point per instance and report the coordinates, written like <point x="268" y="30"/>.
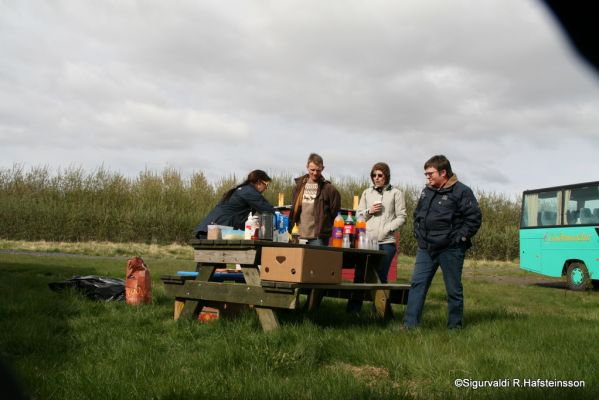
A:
<point x="191" y="308"/>
<point x="266" y="316"/>
<point x="179" y="305"/>
<point x="314" y="299"/>
<point x="204" y="271"/>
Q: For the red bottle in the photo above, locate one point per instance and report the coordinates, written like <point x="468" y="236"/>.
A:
<point x="349" y="229"/>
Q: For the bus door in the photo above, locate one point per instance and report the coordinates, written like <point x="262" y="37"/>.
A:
<point x="540" y="216"/>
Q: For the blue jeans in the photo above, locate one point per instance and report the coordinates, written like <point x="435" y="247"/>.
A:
<point x="452" y="262"/>
<point x="382" y="271"/>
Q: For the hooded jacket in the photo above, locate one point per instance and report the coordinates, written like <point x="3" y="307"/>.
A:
<point x="235" y="210"/>
<point x="326" y="205"/>
<point x="446" y="217"/>
<point x="384" y="224"/>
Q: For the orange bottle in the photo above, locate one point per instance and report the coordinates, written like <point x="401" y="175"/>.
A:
<point x="337" y="236"/>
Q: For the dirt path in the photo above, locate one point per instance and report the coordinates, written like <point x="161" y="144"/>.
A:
<point x="55" y="254"/>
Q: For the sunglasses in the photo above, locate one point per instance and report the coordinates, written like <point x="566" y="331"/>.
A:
<point x="377" y="175"/>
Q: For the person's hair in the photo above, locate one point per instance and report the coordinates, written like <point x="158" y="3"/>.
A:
<point x="253" y="177"/>
<point x="440" y="163"/>
<point x="384" y="168"/>
<point x="316" y="159"/>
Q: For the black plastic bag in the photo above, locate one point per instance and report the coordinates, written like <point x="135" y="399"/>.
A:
<point x="95" y="287"/>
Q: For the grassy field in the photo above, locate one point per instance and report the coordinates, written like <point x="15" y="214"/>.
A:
<point x="64" y="346"/>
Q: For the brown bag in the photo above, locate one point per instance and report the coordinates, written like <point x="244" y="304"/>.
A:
<point x="138" y="284"/>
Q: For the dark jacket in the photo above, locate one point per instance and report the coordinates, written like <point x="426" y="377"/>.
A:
<point x="326" y="205"/>
<point x="446" y="217"/>
<point x="234" y="212"/>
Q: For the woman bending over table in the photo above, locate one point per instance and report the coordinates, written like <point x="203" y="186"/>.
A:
<point x="236" y="204"/>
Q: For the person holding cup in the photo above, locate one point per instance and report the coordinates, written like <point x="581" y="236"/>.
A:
<point x="384" y="208"/>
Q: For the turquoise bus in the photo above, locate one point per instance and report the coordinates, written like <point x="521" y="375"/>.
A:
<point x="559" y="233"/>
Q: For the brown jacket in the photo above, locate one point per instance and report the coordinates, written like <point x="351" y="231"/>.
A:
<point x="326" y="206"/>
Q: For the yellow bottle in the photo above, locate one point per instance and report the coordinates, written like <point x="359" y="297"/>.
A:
<point x="295" y="234"/>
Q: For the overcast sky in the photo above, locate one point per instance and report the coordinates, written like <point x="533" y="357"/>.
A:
<point x="225" y="87"/>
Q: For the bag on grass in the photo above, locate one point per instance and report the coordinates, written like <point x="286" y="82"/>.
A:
<point x="138" y="285"/>
<point x="93" y="286"/>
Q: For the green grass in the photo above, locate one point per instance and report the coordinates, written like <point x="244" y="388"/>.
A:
<point x="518" y="326"/>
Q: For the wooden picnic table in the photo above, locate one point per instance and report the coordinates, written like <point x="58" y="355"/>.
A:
<point x="192" y="293"/>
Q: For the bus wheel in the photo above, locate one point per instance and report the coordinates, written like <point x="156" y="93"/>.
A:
<point x="577" y="276"/>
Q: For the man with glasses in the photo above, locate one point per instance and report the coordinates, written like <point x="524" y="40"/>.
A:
<point x="447" y="216"/>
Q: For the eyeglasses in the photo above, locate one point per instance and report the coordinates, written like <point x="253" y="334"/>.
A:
<point x="377" y="175"/>
<point x="431" y="173"/>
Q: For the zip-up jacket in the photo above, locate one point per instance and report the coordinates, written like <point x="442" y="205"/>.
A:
<point x="446" y="217"/>
<point x="384" y="224"/>
<point x="234" y="211"/>
<point x="326" y="205"/>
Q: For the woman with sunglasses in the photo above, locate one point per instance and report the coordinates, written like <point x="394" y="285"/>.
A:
<point x="236" y="204"/>
<point x="384" y="209"/>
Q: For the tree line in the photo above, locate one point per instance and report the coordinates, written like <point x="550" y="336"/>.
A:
<point x="75" y="205"/>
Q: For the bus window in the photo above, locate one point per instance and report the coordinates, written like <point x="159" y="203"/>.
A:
<point x="541" y="209"/>
<point x="582" y="205"/>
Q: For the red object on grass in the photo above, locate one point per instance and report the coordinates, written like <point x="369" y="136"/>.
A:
<point x="138" y="284"/>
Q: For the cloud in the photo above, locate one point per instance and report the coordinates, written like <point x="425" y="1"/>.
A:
<point x="226" y="87"/>
<point x="151" y="126"/>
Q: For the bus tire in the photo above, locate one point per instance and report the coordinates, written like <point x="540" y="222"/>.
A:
<point x="577" y="276"/>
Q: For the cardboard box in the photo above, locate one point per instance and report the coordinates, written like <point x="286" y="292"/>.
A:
<point x="289" y="264"/>
<point x="215" y="231"/>
<point x="227" y="310"/>
<point x="208" y="314"/>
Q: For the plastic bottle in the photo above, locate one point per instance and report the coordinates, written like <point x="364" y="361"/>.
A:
<point x="360" y="229"/>
<point x="295" y="234"/>
<point x="249" y="227"/>
<point x="346" y="242"/>
<point x="337" y="236"/>
<point x="349" y="229"/>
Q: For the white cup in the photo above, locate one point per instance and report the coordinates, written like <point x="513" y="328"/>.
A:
<point x="374" y="244"/>
<point x="378" y="203"/>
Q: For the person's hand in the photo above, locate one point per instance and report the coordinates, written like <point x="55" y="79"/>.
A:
<point x="375" y="208"/>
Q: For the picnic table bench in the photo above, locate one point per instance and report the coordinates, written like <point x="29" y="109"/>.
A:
<point x="192" y="293"/>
